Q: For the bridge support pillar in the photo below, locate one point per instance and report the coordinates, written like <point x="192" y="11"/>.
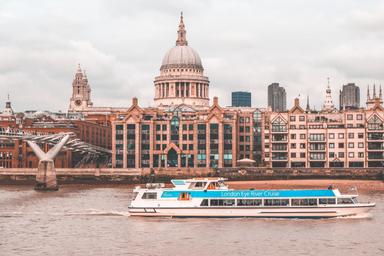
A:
<point x="46" y="172"/>
<point x="46" y="176"/>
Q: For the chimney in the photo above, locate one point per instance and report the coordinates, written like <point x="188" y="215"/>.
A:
<point x="297" y="102"/>
<point x="135" y="101"/>
<point x="215" y="100"/>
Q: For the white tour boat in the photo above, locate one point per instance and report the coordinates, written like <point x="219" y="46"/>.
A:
<point x="210" y="197"/>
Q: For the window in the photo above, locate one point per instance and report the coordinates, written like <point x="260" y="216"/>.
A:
<point x="302" y="155"/>
<point x="293" y="145"/>
<point x="351" y="145"/>
<point x="360" y="145"/>
<point x="341" y="135"/>
<point x="300" y="202"/>
<point x="359" y="117"/>
<point x="344" y="201"/>
<point x="361" y="154"/>
<point x="302" y="118"/>
<point x="331" y="135"/>
<point x="350" y="135"/>
<point x="331" y="154"/>
<point x="341" y="154"/>
<point x="316" y="137"/>
<point x="222" y="202"/>
<point x="331" y="145"/>
<point x="302" y="136"/>
<point x="292" y="118"/>
<point x="158" y="127"/>
<point x="360" y="135"/>
<point x="276" y="202"/>
<point x="341" y="145"/>
<point x="349" y="117"/>
<point x="149" y="195"/>
<point x="302" y="145"/>
<point x="351" y="154"/>
<point x="164" y="127"/>
<point x="249" y="202"/>
<point x="327" y="201"/>
<point x="204" y="202"/>
<point x="293" y="155"/>
<point x="293" y="136"/>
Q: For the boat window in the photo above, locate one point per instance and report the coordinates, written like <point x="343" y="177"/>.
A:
<point x="327" y="201"/>
<point x="276" y="202"/>
<point x="198" y="185"/>
<point x="222" y="202"/>
<point x="204" y="202"/>
<point x="305" y="201"/>
<point x="184" y="196"/>
<point x="249" y="202"/>
<point x="212" y="185"/>
<point x="344" y="201"/>
<point x="149" y="195"/>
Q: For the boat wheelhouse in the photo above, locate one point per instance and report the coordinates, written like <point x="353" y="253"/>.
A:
<point x="210" y="197"/>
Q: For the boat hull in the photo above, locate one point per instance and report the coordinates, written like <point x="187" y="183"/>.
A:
<point x="259" y="212"/>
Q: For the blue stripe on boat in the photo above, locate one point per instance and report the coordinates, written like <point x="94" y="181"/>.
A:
<point x="249" y="193"/>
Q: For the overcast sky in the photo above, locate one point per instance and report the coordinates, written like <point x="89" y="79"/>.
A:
<point x="244" y="45"/>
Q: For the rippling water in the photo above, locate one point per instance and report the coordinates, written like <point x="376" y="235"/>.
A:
<point x="93" y="220"/>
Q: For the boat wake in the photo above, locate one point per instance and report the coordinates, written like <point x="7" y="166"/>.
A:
<point x="97" y="213"/>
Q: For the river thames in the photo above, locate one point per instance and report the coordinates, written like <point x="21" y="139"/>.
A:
<point x="93" y="220"/>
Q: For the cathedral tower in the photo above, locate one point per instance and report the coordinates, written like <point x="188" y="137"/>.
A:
<point x="81" y="92"/>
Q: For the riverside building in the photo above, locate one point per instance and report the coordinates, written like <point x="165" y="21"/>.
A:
<point x="327" y="138"/>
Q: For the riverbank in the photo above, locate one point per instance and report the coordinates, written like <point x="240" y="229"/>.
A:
<point x="363" y="186"/>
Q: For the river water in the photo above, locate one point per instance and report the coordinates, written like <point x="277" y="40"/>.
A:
<point x="93" y="220"/>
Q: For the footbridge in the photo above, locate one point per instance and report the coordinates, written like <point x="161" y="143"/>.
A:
<point x="46" y="172"/>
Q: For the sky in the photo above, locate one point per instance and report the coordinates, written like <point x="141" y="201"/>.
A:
<point x="244" y="45"/>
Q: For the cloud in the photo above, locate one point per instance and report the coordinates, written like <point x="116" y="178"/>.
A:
<point x="244" y="46"/>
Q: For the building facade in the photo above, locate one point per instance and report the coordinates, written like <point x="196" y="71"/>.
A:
<point x="241" y="99"/>
<point x="349" y="97"/>
<point x="350" y="138"/>
<point x="277" y="97"/>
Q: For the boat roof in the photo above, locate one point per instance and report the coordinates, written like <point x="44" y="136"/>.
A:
<point x="205" y="179"/>
<point x="252" y="193"/>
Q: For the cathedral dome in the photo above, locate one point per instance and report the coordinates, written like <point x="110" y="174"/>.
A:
<point x="181" y="56"/>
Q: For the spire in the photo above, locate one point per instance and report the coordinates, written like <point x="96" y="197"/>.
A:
<point x="78" y="68"/>
<point x="328" y="104"/>
<point x="368" y="96"/>
<point x="181" y="33"/>
<point x="374" y="91"/>
<point x="308" y="108"/>
<point x="8" y="107"/>
<point x="380" y="94"/>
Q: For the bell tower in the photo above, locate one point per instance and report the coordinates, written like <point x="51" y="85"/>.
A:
<point x="81" y="92"/>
